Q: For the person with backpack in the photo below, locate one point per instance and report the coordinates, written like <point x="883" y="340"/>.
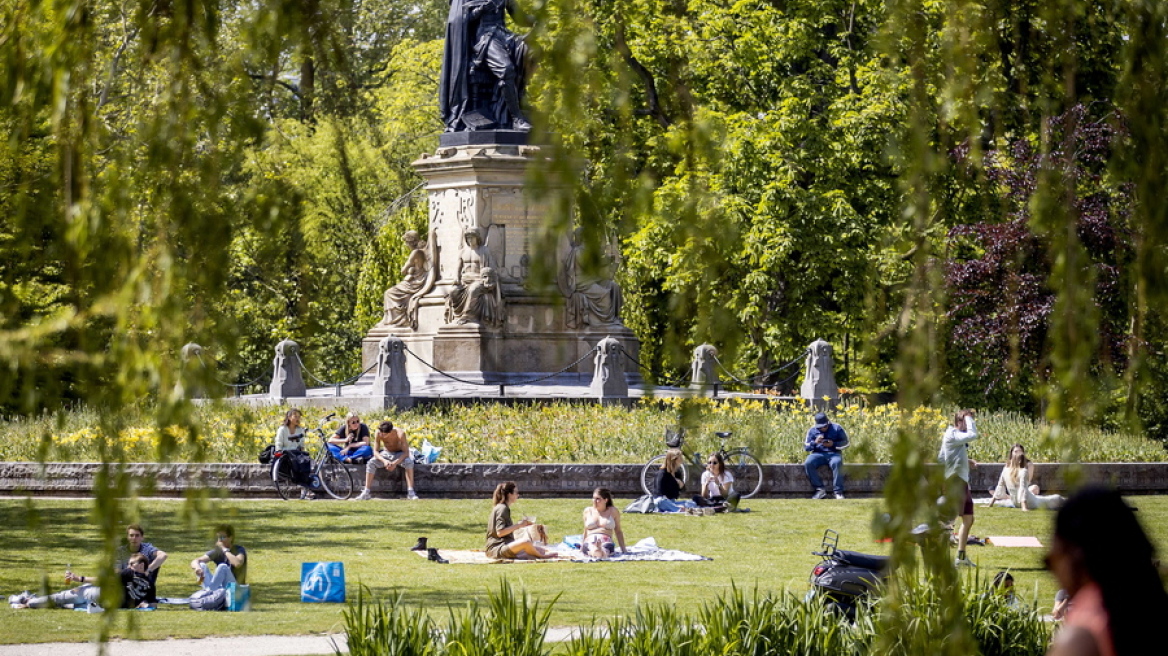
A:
<point x="289" y="444"/>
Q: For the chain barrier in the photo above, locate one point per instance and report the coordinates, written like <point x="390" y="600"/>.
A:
<point x="236" y="387"/>
<point x="678" y="382"/>
<point x="753" y="385"/>
<point x="502" y="385"/>
<point x="338" y="385"/>
<point x="797" y="359"/>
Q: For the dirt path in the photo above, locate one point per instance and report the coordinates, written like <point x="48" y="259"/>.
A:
<point x="305" y="645"/>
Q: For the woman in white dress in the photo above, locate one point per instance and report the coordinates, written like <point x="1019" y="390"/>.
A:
<point x="1015" y="484"/>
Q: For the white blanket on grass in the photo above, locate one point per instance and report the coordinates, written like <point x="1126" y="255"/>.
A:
<point x="646" y="549"/>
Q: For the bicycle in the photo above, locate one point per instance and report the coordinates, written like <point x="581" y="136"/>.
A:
<point x="745" y="467"/>
<point x="335" y="478"/>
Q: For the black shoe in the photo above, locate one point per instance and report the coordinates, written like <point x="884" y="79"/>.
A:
<point x="420" y="546"/>
<point x="432" y="554"/>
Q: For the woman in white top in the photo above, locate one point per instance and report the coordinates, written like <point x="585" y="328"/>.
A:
<point x="601" y="524"/>
<point x="1015" y="484"/>
<point x="717" y="483"/>
<point x="290" y="443"/>
<point x="290" y="435"/>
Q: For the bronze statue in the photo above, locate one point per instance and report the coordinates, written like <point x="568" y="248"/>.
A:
<point x="484" y="68"/>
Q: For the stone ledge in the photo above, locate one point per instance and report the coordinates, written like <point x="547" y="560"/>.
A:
<point x="247" y="480"/>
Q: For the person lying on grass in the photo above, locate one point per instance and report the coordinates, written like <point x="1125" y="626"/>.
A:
<point x="137" y="590"/>
<point x="502" y="542"/>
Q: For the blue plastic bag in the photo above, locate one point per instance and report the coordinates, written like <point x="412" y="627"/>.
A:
<point x="322" y="583"/>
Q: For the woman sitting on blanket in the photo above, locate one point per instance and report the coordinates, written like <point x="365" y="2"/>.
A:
<point x="717" y="484"/>
<point x="601" y="522"/>
<point x="667" y="484"/>
<point x="1014" y="484"/>
<point x="502" y="540"/>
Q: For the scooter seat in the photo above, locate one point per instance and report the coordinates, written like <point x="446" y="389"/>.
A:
<point x="867" y="561"/>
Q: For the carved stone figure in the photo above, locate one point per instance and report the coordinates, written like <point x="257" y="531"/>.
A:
<point x="391" y="378"/>
<point x="398" y="311"/>
<point x="702" y="372"/>
<point x="591" y="299"/>
<point x="819" y="386"/>
<point x="287" y="381"/>
<point x="477" y="296"/>
<point x="608" y="372"/>
<point x="484" y="66"/>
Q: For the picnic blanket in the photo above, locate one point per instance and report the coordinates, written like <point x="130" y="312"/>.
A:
<point x="644" y="550"/>
<point x="1013" y="541"/>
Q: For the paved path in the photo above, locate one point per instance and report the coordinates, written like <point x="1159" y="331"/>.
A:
<point x="305" y="645"/>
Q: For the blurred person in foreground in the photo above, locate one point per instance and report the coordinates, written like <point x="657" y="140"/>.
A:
<point x="1106" y="563"/>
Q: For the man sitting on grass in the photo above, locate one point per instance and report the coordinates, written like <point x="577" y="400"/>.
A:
<point x="391" y="449"/>
<point x="134" y="544"/>
<point x="230" y="561"/>
<point x="137" y="590"/>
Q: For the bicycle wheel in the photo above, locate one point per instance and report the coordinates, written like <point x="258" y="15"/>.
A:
<point x="649" y="474"/>
<point x="747" y="472"/>
<point x="335" y="478"/>
<point x="282" y="478"/>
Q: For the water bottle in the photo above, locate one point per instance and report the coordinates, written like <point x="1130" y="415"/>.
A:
<point x="68" y="573"/>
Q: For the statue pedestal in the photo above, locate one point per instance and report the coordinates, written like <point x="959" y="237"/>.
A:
<point x="480" y="186"/>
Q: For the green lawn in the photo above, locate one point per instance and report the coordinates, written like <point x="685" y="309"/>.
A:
<point x="769" y="548"/>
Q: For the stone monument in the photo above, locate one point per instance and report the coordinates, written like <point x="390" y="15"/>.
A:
<point x="466" y="303"/>
<point x="819" y="388"/>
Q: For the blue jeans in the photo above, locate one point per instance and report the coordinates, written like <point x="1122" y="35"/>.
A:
<point x="834" y="460"/>
<point x="361" y="452"/>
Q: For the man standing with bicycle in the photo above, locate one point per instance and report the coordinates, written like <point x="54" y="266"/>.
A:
<point x="824" y="442"/>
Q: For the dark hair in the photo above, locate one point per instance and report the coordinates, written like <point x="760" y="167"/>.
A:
<point x="1001" y="577"/>
<point x="135" y="527"/>
<point x="385" y="426"/>
<point x="721" y="462"/>
<point x="288" y="415"/>
<point x="225" y="529"/>
<point x="959" y="420"/>
<point x="1093" y="525"/>
<point x="605" y="494"/>
<point x="138" y="558"/>
<point x="502" y="491"/>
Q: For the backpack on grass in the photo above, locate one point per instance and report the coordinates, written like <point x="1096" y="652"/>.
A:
<point x="209" y="600"/>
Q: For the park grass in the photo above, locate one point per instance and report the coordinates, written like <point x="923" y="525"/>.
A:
<point x="768" y="549"/>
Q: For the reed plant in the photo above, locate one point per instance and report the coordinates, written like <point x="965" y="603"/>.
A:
<point x="736" y="623"/>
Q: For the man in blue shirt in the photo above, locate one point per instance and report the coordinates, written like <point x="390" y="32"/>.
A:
<point x="824" y="442"/>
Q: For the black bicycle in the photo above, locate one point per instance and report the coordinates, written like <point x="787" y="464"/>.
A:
<point x="335" y="478"/>
<point x="745" y="467"/>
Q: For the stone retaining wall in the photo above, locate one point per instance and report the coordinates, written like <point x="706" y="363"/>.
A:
<point x="535" y="480"/>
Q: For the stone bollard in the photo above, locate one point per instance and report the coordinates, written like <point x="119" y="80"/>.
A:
<point x="703" y="375"/>
<point x="819" y="388"/>
<point x="287" y="381"/>
<point x="190" y="373"/>
<point x="608" y="374"/>
<point x="391" y="381"/>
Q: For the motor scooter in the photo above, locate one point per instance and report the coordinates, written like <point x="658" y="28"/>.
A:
<point x="845" y="577"/>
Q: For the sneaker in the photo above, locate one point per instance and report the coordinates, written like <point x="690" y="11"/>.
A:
<point x="411" y="495"/>
<point x="839" y="495"/>
<point x="963" y="562"/>
<point x="307" y="495"/>
<point x="364" y="496"/>
<point x="819" y="494"/>
<point x="21" y="598"/>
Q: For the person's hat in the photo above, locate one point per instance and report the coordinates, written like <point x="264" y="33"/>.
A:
<point x="821" y="420"/>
